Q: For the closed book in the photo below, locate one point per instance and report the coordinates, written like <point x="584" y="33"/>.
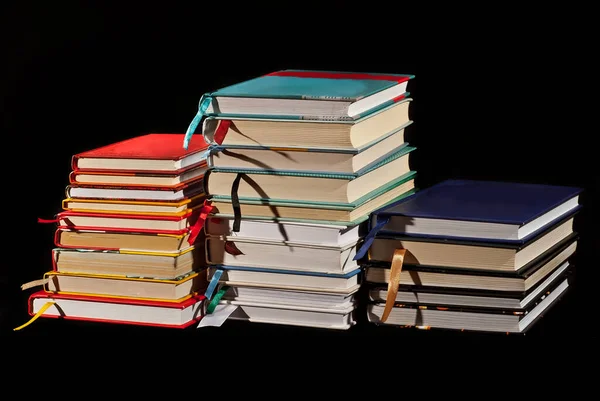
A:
<point x="238" y="251"/>
<point x="306" y="94"/>
<point x="117" y="310"/>
<point x="137" y="179"/>
<point x="309" y="186"/>
<point x="127" y="240"/>
<point x="261" y="277"/>
<point x="477" y="281"/>
<point x="155" y="265"/>
<point x="472" y="255"/>
<point x="317" y="212"/>
<point x="481" y="210"/>
<point x="287" y="231"/>
<point x="158" y="153"/>
<point x="176" y="290"/>
<point x="474" y="319"/>
<point x="175" y="193"/>
<point x="132" y="206"/>
<point x="348" y="137"/>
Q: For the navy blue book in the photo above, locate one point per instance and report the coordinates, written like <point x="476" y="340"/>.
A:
<point x="476" y="211"/>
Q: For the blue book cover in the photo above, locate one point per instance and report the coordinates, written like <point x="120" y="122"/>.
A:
<point x="483" y="201"/>
<point x="508" y="203"/>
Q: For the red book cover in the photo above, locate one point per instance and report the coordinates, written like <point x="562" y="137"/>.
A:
<point x="137" y="192"/>
<point x="123" y="222"/>
<point x="139" y="154"/>
<point x="146" y="179"/>
<point x="116" y="310"/>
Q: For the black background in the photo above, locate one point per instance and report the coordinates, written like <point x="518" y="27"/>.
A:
<point x="491" y="101"/>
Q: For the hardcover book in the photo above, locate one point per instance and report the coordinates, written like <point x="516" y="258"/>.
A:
<point x="176" y="290"/>
<point x="482" y="210"/>
<point x="468" y="319"/>
<point x="350" y="136"/>
<point x="260" y="277"/>
<point x="315" y="212"/>
<point x="117" y="310"/>
<point x="301" y="94"/>
<point x="143" y="264"/>
<point x="309" y="186"/>
<point x="136" y="179"/>
<point x="318" y="160"/>
<point x="421" y="278"/>
<point x="472" y="255"/>
<point x="151" y="153"/>
<point x="259" y="252"/>
<point x="133" y="206"/>
<point x="152" y="193"/>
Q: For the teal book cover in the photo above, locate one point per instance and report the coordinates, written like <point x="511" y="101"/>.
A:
<point x="303" y="94"/>
<point x="303" y="84"/>
<point x="402" y="151"/>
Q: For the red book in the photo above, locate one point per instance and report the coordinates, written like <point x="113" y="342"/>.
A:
<point x="174" y="224"/>
<point x="117" y="310"/>
<point x="151" y="153"/>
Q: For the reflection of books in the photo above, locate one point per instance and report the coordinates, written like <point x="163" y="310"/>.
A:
<point x="117" y="310"/>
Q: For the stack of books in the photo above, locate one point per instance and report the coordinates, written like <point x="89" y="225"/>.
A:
<point x="126" y="242"/>
<point x="471" y="255"/>
<point x="299" y="159"/>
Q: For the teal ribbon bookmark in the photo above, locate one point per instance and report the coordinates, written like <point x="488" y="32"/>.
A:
<point x="215" y="301"/>
<point x="202" y="106"/>
<point x="213" y="283"/>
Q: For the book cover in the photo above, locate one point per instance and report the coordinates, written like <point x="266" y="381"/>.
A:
<point x="322" y="85"/>
<point x="484" y="201"/>
<point x="404" y="150"/>
<point x="174" y="193"/>
<point x="502" y="204"/>
<point x="303" y="94"/>
<point x="116" y="310"/>
<point x="148" y="147"/>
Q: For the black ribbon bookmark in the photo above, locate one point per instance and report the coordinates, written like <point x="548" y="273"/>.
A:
<point x="235" y="202"/>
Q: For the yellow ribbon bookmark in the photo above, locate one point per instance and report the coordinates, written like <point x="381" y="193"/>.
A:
<point x="394" y="283"/>
<point x="34" y="317"/>
<point x="35" y="283"/>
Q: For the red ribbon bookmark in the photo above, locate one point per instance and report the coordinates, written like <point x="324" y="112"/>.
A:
<point x="199" y="224"/>
<point x="39" y="220"/>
